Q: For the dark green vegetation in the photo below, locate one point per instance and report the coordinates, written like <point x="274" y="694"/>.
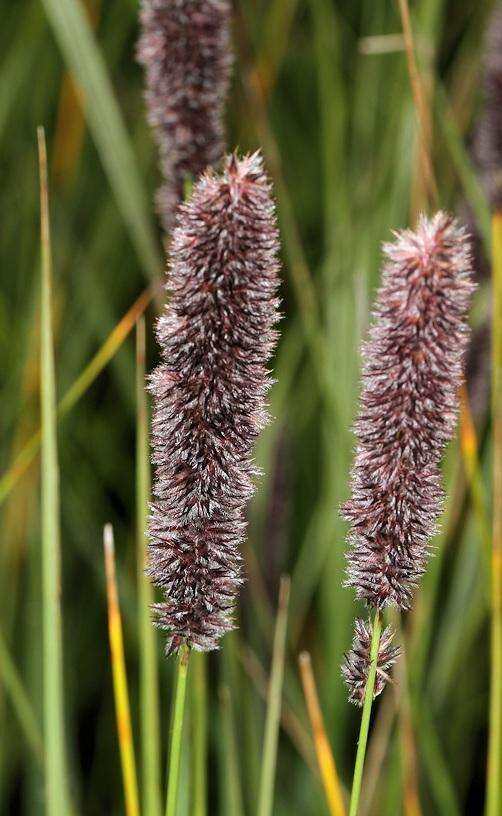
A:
<point x="330" y="103"/>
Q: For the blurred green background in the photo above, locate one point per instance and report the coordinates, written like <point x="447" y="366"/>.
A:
<point x="322" y="87"/>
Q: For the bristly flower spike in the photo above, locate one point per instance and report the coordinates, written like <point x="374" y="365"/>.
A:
<point x="488" y="139"/>
<point x="411" y="376"/>
<point x="186" y="53"/>
<point x="216" y="336"/>
<point x="357" y="661"/>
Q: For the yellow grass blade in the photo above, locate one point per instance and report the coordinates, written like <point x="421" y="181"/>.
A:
<point x="120" y="689"/>
<point x="92" y="370"/>
<point x="327" y="767"/>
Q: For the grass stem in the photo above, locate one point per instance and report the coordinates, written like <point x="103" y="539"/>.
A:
<point x="327" y="767"/>
<point x="120" y="689"/>
<point x="177" y="731"/>
<point x="149" y="688"/>
<point x="54" y="737"/>
<point x="365" y="719"/>
<point x="267" y="777"/>
<point x="199" y="674"/>
<point x="494" y="775"/>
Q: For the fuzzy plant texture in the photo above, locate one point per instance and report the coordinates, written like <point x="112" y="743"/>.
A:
<point x="216" y="337"/>
<point x="488" y="139"/>
<point x="186" y="53"/>
<point x="411" y="375"/>
<point x="356" y="665"/>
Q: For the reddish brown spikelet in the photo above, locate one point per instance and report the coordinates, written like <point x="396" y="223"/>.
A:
<point x="488" y="140"/>
<point x="185" y="51"/>
<point x="356" y="664"/>
<point x="411" y="375"/>
<point x="216" y="337"/>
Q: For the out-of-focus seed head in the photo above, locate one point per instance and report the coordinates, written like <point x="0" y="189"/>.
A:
<point x="186" y="53"/>
<point x="411" y="375"/>
<point x="488" y="138"/>
<point x="355" y="667"/>
<point x="216" y="337"/>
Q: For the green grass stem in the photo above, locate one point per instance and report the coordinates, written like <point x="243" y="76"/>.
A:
<point x="494" y="775"/>
<point x="147" y="637"/>
<point x="54" y="737"/>
<point x="173" y="773"/>
<point x="365" y="718"/>
<point x="270" y="742"/>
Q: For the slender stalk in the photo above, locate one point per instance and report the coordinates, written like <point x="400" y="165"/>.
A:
<point x="120" y="689"/>
<point x="325" y="759"/>
<point x="54" y="738"/>
<point x="177" y="731"/>
<point x="233" y="793"/>
<point x="267" y="777"/>
<point x="149" y="688"/>
<point x="365" y="719"/>
<point x="494" y="775"/>
<point x="199" y="674"/>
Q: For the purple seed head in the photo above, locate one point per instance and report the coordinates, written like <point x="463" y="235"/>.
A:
<point x="186" y="53"/>
<point x="411" y="375"/>
<point x="216" y="337"/>
<point x="356" y="663"/>
<point x="488" y="138"/>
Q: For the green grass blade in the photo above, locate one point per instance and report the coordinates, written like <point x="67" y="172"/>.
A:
<point x="199" y="704"/>
<point x="120" y="685"/>
<point x="77" y="42"/>
<point x="494" y="777"/>
<point x="270" y="742"/>
<point x="54" y="738"/>
<point x="176" y="737"/>
<point x="13" y="685"/>
<point x="149" y="686"/>
<point x="232" y="787"/>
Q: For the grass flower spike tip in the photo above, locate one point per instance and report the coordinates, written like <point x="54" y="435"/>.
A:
<point x="216" y="337"/>
<point x="411" y="375"/>
<point x="186" y="53"/>
<point x="357" y="661"/>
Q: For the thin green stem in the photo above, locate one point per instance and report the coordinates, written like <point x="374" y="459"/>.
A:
<point x="494" y="775"/>
<point x="366" y="715"/>
<point x="233" y="792"/>
<point x="199" y="674"/>
<point x="54" y="738"/>
<point x="266" y="794"/>
<point x="177" y="731"/>
<point x="149" y="688"/>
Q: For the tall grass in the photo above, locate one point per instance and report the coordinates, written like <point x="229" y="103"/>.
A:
<point x="336" y="119"/>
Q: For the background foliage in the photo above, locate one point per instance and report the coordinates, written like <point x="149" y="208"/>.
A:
<point x="329" y="101"/>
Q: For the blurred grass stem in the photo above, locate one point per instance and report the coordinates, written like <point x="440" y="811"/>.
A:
<point x="269" y="760"/>
<point x="177" y="731"/>
<point x="494" y="775"/>
<point x="149" y="689"/>
<point x="54" y="737"/>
